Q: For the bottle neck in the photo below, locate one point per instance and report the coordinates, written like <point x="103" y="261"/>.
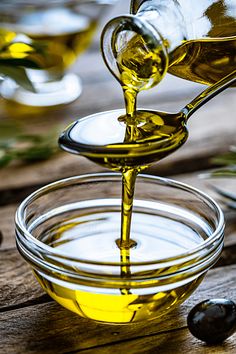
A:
<point x="167" y="20"/>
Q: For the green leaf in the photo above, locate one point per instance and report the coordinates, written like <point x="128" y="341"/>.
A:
<point x="5" y="158"/>
<point x="9" y="130"/>
<point x="226" y="159"/>
<point x="32" y="138"/>
<point x="230" y="172"/>
<point x="35" y="147"/>
<point x="24" y="62"/>
<point x="36" y="153"/>
<point x="19" y="75"/>
<point x="228" y="163"/>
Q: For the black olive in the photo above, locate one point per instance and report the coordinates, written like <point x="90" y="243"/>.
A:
<point x="212" y="320"/>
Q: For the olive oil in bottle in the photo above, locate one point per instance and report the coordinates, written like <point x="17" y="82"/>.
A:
<point x="199" y="38"/>
<point x="205" y="61"/>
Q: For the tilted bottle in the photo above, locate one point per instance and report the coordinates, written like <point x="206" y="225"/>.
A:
<point x="198" y="37"/>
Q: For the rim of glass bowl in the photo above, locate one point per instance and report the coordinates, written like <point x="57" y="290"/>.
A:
<point x="36" y="247"/>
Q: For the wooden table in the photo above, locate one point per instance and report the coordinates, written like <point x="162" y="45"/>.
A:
<point x="30" y="322"/>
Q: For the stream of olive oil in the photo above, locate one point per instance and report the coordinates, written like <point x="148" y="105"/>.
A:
<point x="200" y="60"/>
<point x="141" y="66"/>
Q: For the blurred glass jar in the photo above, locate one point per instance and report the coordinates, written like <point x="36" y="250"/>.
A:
<point x="46" y="38"/>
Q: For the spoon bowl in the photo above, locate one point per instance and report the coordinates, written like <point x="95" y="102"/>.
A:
<point x="105" y="138"/>
<point x="112" y="140"/>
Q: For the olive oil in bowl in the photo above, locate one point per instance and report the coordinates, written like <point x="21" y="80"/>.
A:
<point x="68" y="231"/>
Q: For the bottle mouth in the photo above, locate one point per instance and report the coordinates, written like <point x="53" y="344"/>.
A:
<point x="38" y="211"/>
<point x="116" y="41"/>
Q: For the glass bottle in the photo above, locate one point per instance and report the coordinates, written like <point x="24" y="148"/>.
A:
<point x="196" y="40"/>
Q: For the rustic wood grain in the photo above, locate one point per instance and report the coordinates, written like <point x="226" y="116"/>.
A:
<point x="176" y="341"/>
<point x="48" y="328"/>
<point x="7" y="227"/>
<point x="17" y="284"/>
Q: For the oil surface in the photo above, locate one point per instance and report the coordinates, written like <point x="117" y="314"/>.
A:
<point x="108" y="139"/>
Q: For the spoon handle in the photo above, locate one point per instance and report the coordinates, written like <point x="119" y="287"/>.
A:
<point x="208" y="94"/>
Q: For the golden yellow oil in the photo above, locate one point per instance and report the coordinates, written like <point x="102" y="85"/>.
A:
<point x="51" y="39"/>
<point x="146" y="140"/>
<point x="117" y="308"/>
<point x="141" y="64"/>
<point x="205" y="60"/>
<point x="126" y="144"/>
<point x="110" y="140"/>
<point x="92" y="237"/>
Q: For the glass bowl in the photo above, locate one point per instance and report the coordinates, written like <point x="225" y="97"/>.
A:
<point x="68" y="231"/>
<point x="45" y="37"/>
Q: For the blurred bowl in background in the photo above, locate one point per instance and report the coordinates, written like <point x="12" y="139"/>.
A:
<point x="39" y="41"/>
